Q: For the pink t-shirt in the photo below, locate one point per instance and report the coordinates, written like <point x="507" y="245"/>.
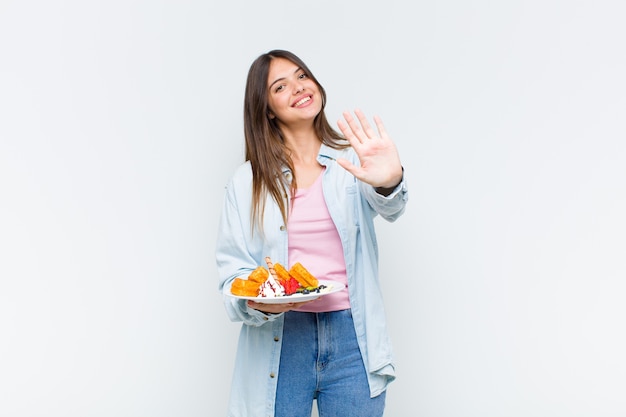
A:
<point x="315" y="243"/>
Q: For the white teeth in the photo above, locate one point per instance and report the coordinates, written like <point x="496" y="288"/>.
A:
<point x="304" y="100"/>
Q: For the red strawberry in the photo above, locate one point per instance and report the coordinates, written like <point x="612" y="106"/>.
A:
<point x="291" y="285"/>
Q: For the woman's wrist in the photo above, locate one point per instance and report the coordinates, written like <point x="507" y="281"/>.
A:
<point x="385" y="191"/>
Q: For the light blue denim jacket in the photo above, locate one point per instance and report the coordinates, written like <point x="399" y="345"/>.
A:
<point x="352" y="205"/>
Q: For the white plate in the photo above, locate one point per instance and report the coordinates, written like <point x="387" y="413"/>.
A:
<point x="331" y="288"/>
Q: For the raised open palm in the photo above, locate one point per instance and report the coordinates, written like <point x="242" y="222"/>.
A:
<point x="380" y="162"/>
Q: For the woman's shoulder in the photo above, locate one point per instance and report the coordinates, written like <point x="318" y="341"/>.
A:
<point x="242" y="175"/>
<point x="243" y="169"/>
<point x="335" y="153"/>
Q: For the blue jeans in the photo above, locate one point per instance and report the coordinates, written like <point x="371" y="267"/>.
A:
<point x="321" y="360"/>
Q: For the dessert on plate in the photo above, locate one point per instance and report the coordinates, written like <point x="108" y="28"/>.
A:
<point x="275" y="281"/>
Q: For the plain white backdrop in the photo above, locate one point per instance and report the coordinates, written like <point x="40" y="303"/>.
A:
<point x="120" y="123"/>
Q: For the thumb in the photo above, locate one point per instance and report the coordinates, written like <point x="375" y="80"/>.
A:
<point x="349" y="166"/>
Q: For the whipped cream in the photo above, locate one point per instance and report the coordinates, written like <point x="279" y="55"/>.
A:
<point x="271" y="288"/>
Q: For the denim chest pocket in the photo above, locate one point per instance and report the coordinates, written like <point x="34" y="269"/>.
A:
<point x="351" y="204"/>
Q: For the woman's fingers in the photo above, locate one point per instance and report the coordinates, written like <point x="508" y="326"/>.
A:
<point x="379" y="162"/>
<point x="276" y="308"/>
<point x="348" y="132"/>
<point x="365" y="126"/>
<point x="359" y="131"/>
<point x="381" y="128"/>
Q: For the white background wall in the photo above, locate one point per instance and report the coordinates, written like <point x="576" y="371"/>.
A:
<point x="120" y="122"/>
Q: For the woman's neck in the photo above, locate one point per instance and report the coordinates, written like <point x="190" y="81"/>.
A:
<point x="303" y="146"/>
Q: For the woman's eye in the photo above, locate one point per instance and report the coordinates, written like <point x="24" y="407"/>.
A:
<point x="303" y="75"/>
<point x="279" y="88"/>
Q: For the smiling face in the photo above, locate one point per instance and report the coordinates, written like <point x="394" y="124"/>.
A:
<point x="293" y="97"/>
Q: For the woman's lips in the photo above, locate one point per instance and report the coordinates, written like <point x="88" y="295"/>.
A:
<point x="302" y="101"/>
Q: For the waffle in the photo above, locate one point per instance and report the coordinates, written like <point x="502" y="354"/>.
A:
<point x="303" y="276"/>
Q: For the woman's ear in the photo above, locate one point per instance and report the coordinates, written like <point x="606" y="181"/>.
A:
<point x="270" y="115"/>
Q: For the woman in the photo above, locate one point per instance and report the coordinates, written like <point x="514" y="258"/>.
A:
<point x="308" y="194"/>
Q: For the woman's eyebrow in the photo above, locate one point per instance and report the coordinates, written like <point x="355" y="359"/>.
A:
<point x="282" y="78"/>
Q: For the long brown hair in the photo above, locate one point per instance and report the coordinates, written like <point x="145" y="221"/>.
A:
<point x="265" y="145"/>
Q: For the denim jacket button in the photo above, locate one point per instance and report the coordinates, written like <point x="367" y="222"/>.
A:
<point x="282" y="228"/>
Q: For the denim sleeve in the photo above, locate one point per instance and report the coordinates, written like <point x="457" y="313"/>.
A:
<point x="389" y="207"/>
<point x="234" y="260"/>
